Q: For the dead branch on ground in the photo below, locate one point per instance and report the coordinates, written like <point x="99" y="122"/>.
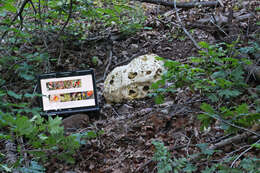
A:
<point x="211" y="4"/>
<point x="243" y="153"/>
<point x="233" y="139"/>
<point x="183" y="28"/>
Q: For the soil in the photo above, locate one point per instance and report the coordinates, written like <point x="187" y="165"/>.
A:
<point x="130" y="127"/>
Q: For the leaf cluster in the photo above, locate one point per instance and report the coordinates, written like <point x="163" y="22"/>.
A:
<point x="42" y="137"/>
<point x="214" y="74"/>
<point x="166" y="164"/>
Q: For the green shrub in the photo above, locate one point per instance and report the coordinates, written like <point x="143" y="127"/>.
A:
<point x="177" y="165"/>
<point x="214" y="74"/>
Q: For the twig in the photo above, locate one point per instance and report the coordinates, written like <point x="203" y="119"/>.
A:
<point x="67" y="21"/>
<point x="129" y="59"/>
<point x="143" y="165"/>
<point x="211" y="4"/>
<point x="40" y="13"/>
<point x="34" y="9"/>
<point x="232" y="152"/>
<point x="37" y="150"/>
<point x="184" y="29"/>
<point x="11" y="150"/>
<point x="61" y="53"/>
<point x="240" y="155"/>
<point x="20" y="140"/>
<point x="230" y="140"/>
<point x="19" y="14"/>
<point x="108" y="64"/>
<point x="214" y="23"/>
<point x="236" y="126"/>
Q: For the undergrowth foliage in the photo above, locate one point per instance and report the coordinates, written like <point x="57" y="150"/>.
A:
<point x="43" y="138"/>
<point x="31" y="32"/>
<point x="217" y="74"/>
<point x="166" y="164"/>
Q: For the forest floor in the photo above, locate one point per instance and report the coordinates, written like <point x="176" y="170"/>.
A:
<point x="130" y="127"/>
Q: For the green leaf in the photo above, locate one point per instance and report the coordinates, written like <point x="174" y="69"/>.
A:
<point x="171" y="64"/>
<point x="27" y="76"/>
<point x="54" y="125"/>
<point x="2" y="136"/>
<point x="209" y="170"/>
<point x="242" y="109"/>
<point x="219" y="74"/>
<point x="227" y="93"/>
<point x="159" y="99"/>
<point x="257" y="145"/>
<point x="196" y="59"/>
<point x="79" y="138"/>
<point x="23" y="126"/>
<point x="13" y="94"/>
<point x="207" y="108"/>
<point x="148" y="28"/>
<point x="213" y="98"/>
<point x="33" y="168"/>
<point x="5" y="168"/>
<point x="190" y="168"/>
<point x="205" y="119"/>
<point x="9" y="7"/>
<point x="90" y="134"/>
<point x="204" y="44"/>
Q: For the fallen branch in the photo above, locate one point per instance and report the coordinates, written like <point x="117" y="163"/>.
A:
<point x="234" y="125"/>
<point x="253" y="70"/>
<point x="11" y="152"/>
<point x="230" y="140"/>
<point x="143" y="165"/>
<point x="108" y="64"/>
<point x="234" y="139"/>
<point x="243" y="153"/>
<point x="211" y="4"/>
<point x="183" y="28"/>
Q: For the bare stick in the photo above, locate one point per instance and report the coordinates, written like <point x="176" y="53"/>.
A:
<point x="143" y="165"/>
<point x="240" y="155"/>
<point x="236" y="126"/>
<point x="40" y="13"/>
<point x="230" y="140"/>
<point x="34" y="9"/>
<point x="211" y="4"/>
<point x="108" y="64"/>
<point x="129" y="59"/>
<point x="214" y="23"/>
<point x="184" y="29"/>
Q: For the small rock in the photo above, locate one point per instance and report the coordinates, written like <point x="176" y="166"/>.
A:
<point x="75" y="121"/>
